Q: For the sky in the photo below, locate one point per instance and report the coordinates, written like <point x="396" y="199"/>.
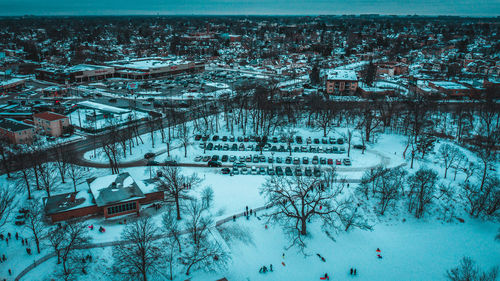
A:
<point x="250" y="7"/>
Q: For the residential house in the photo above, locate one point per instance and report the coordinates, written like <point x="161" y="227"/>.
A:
<point x="51" y="123"/>
<point x="16" y="132"/>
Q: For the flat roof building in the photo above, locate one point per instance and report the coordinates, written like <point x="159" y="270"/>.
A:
<point x="145" y="68"/>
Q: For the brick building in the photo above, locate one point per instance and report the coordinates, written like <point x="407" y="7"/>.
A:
<point x="341" y="81"/>
<point x="16" y="132"/>
<point x="51" y="123"/>
<point x="110" y="196"/>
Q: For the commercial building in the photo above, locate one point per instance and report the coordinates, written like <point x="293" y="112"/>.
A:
<point x="51" y="123"/>
<point x="450" y="88"/>
<point x="76" y="73"/>
<point x="16" y="132"/>
<point x="341" y="81"/>
<point x="12" y="85"/>
<point x="146" y="68"/>
<point x="110" y="196"/>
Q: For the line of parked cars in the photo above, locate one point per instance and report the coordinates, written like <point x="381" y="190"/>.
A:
<point x="273" y="148"/>
<point x="315" y="160"/>
<point x="271" y="171"/>
<point x="266" y="139"/>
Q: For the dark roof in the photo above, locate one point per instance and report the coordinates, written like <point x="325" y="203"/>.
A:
<point x="49" y="116"/>
<point x="14" y="125"/>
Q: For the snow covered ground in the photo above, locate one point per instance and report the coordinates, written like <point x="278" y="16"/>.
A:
<point x="412" y="249"/>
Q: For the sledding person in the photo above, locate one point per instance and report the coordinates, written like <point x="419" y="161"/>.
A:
<point x="378" y="250"/>
<point x="261" y="269"/>
<point x="326" y="277"/>
<point x="379" y="256"/>
<point x="265" y="269"/>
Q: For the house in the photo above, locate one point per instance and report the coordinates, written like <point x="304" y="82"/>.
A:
<point x="110" y="196"/>
<point x="16" y="132"/>
<point x="51" y="123"/>
<point x="450" y="88"/>
<point x="341" y="81"/>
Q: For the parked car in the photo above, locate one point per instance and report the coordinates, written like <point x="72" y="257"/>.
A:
<point x="317" y="172"/>
<point x="305" y="160"/>
<point x="270" y="171"/>
<point x="298" y="171"/>
<point x="288" y="171"/>
<point x="224" y="138"/>
<point x="171" y="163"/>
<point x="296" y="160"/>
<point x="315" y="160"/>
<point x="262" y="171"/>
<point x="308" y="171"/>
<point x="213" y="163"/>
<point x="279" y="160"/>
<point x="153" y="163"/>
<point x="197" y="137"/>
<point x="235" y="171"/>
<point x="224" y="158"/>
<point x="347" y="162"/>
<point x="215" y="138"/>
<point x="340" y="141"/>
<point x="359" y="146"/>
<point x="215" y="158"/>
<point x="239" y="164"/>
<point x="254" y="170"/>
<point x="316" y="141"/>
<point x="322" y="161"/>
<point x="288" y="160"/>
<point x="232" y="158"/>
<point x="234" y="147"/>
<point x="330" y="161"/>
<point x="298" y="139"/>
<point x="279" y="171"/>
<point x="337" y="162"/>
<point x="149" y="155"/>
<point x="197" y="159"/>
<point x="206" y="158"/>
<point x="225" y="171"/>
<point x="210" y="146"/>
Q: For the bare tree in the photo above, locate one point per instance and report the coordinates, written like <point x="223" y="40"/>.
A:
<point x="34" y="222"/>
<point x="65" y="240"/>
<point x="205" y="251"/>
<point x="184" y="135"/>
<point x="61" y="160"/>
<point x="172" y="228"/>
<point x="450" y="155"/>
<point x="467" y="270"/>
<point x="422" y="186"/>
<point x="76" y="173"/>
<point x="299" y="200"/>
<point x="176" y="185"/>
<point x="141" y="253"/>
<point x="348" y="137"/>
<point x="7" y="195"/>
<point x="482" y="200"/>
<point x="47" y="173"/>
<point x="170" y="254"/>
<point x="387" y="187"/>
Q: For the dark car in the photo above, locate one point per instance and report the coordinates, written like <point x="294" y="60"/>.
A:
<point x="149" y="155"/>
<point x="288" y="171"/>
<point x="298" y="139"/>
<point x="210" y="146"/>
<point x="153" y="163"/>
<point x="213" y="163"/>
<point x="171" y="163"/>
<point x="215" y="138"/>
<point x="197" y="137"/>
<point x="279" y="171"/>
<point x="204" y="138"/>
<point x="316" y="141"/>
<point x="288" y="160"/>
<point x="240" y="138"/>
<point x="224" y="158"/>
<point x="298" y="171"/>
<point x="224" y="138"/>
<point x="215" y="157"/>
<point x="359" y="146"/>
<point x="275" y="139"/>
<point x="317" y="172"/>
<point x="112" y="100"/>
<point x="340" y="141"/>
<point x="225" y="171"/>
<point x="308" y="172"/>
<point x="234" y="147"/>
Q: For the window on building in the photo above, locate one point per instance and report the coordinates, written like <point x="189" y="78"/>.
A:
<point x="122" y="208"/>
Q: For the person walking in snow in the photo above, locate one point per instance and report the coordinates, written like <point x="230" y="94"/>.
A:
<point x="271" y="267"/>
<point x="355" y="271"/>
<point x="352" y="270"/>
<point x="265" y="269"/>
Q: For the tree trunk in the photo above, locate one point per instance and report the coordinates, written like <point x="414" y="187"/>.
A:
<point x="303" y="227"/>
<point x="177" y="207"/>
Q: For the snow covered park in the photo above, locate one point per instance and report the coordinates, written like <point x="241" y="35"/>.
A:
<point x="410" y="248"/>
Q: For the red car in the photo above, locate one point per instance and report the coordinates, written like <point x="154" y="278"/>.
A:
<point x="330" y="161"/>
<point x="338" y="162"/>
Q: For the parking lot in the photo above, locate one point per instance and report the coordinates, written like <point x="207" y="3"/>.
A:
<point x="254" y="155"/>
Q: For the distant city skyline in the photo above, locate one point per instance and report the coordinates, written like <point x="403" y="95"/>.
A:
<point x="475" y="8"/>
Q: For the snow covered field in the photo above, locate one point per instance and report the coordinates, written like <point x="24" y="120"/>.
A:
<point x="412" y="249"/>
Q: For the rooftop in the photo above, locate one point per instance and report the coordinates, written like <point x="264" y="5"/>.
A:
<point x="113" y="189"/>
<point x="14" y="125"/>
<point x="449" y="85"/>
<point x="49" y="116"/>
<point x="67" y="201"/>
<point x="342" y="74"/>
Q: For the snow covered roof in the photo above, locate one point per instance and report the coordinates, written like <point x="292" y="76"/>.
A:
<point x="114" y="189"/>
<point x="103" y="107"/>
<point x="449" y="85"/>
<point x="342" y="74"/>
<point x="67" y="201"/>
